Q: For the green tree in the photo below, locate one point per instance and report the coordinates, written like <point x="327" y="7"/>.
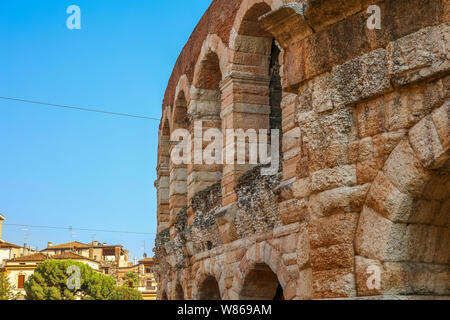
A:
<point x="6" y="289"/>
<point x="51" y="279"/>
<point x="125" y="293"/>
<point x="131" y="280"/>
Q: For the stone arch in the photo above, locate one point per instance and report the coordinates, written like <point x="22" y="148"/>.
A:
<point x="243" y="10"/>
<point x="163" y="290"/>
<point x="182" y="98"/>
<point x="178" y="292"/>
<point x="212" y="48"/>
<point x="183" y="85"/>
<point x="253" y="104"/>
<point x="204" y="114"/>
<point x="164" y="296"/>
<point x="162" y="183"/>
<point x="403" y="239"/>
<point x="178" y="171"/>
<point x="210" y="274"/>
<point x="266" y="261"/>
<point x="207" y="288"/>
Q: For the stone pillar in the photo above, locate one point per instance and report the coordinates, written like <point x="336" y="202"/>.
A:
<point x="245" y="105"/>
<point x="204" y="113"/>
<point x="177" y="193"/>
<point x="162" y="184"/>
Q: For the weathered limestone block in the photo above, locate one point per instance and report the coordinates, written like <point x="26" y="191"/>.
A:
<point x="333" y="230"/>
<point x="400" y="278"/>
<point x="420" y="55"/>
<point x="379" y="238"/>
<point x="335" y="283"/>
<point x="339" y="200"/>
<point x="293" y="210"/>
<point x="327" y="138"/>
<point x="225" y="220"/>
<point x="405" y="170"/>
<point x="332" y="257"/>
<point x="425" y="142"/>
<point x="362" y="78"/>
<point x="287" y="23"/>
<point x="441" y="120"/>
<point x="301" y="188"/>
<point x="327" y="179"/>
<point x="386" y="199"/>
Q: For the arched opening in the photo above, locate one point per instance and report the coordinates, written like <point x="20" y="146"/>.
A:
<point x="178" y="171"/>
<point x="255" y="86"/>
<point x="276" y="95"/>
<point x="164" y="296"/>
<point x="261" y="283"/>
<point x="179" y="293"/>
<point x="204" y="115"/>
<point x="162" y="182"/>
<point x="403" y="238"/>
<point x="209" y="75"/>
<point x="422" y="255"/>
<point x="209" y="290"/>
<point x="250" y="26"/>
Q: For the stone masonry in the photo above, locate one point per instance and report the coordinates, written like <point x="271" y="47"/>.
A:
<point x="360" y="207"/>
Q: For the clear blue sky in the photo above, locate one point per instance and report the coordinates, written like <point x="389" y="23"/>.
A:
<point x="70" y="168"/>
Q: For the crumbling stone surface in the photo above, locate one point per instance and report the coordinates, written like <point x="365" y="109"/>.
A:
<point x="257" y="204"/>
<point x="360" y="206"/>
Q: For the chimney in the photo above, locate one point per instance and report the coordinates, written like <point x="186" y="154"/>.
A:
<point x="24" y="248"/>
<point x="49" y="244"/>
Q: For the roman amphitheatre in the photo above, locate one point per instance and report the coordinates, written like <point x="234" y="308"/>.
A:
<point x="360" y="205"/>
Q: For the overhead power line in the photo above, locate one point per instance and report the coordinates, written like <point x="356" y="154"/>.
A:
<point x="78" y="229"/>
<point x="80" y="108"/>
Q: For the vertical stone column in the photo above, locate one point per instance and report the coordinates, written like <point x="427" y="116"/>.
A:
<point x="162" y="184"/>
<point x="204" y="113"/>
<point x="245" y="105"/>
<point x="178" y="192"/>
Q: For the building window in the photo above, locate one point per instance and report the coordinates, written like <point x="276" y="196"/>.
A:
<point x="148" y="270"/>
<point x="149" y="286"/>
<point x="21" y="281"/>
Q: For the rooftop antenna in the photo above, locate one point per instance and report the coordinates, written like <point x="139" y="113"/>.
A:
<point x="27" y="234"/>
<point x="145" y="255"/>
<point x="92" y="239"/>
<point x="72" y="234"/>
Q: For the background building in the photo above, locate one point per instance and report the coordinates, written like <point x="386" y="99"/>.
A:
<point x="12" y="251"/>
<point x="20" y="269"/>
<point x="9" y="250"/>
<point x="147" y="282"/>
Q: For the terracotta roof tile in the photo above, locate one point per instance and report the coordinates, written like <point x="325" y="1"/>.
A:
<point x="146" y="260"/>
<point x="4" y="245"/>
<point x="32" y="257"/>
<point x="68" y="246"/>
<point x="69" y="256"/>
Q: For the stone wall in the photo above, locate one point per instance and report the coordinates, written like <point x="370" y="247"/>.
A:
<point x="360" y="206"/>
